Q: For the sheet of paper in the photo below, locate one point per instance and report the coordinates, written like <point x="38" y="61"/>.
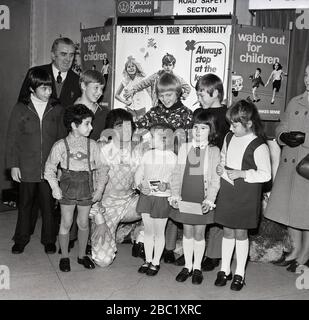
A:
<point x="190" y="207"/>
<point x="154" y="185"/>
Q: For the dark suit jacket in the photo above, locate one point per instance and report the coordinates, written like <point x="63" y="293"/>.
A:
<point x="70" y="90"/>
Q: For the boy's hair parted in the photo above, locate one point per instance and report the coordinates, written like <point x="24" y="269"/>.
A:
<point x="204" y="116"/>
<point x="211" y="82"/>
<point x="76" y="113"/>
<point x="91" y="76"/>
<point x="64" y="40"/>
<point x="168" y="58"/>
<point x="168" y="82"/>
<point x="118" y="116"/>
<point x="244" y="111"/>
<point x="259" y="70"/>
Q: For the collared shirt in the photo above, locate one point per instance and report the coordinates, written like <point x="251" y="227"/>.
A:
<point x="56" y="72"/>
<point x="201" y="146"/>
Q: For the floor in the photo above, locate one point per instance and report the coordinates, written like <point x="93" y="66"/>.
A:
<point x="35" y="275"/>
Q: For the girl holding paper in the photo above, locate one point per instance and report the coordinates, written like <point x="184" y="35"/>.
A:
<point x="245" y="165"/>
<point x="194" y="185"/>
<point x="153" y="177"/>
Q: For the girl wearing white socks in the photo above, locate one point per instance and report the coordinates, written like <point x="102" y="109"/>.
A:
<point x="196" y="183"/>
<point x="153" y="178"/>
<point x="245" y="165"/>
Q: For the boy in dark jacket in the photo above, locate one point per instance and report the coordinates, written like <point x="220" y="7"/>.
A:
<point x="35" y="125"/>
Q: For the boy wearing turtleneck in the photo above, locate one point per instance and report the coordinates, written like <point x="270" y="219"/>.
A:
<point x="35" y="125"/>
<point x="169" y="109"/>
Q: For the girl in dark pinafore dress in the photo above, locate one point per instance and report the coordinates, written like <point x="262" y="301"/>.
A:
<point x="245" y="165"/>
<point x="195" y="181"/>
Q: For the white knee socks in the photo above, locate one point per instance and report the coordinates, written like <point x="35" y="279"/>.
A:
<point x="199" y="248"/>
<point x="242" y="249"/>
<point x="227" y="253"/>
<point x="188" y="245"/>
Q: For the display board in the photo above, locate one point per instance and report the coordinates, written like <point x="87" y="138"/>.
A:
<point x="278" y="4"/>
<point x="261" y="48"/>
<point x="198" y="49"/>
<point x="203" y="7"/>
<point x="97" y="53"/>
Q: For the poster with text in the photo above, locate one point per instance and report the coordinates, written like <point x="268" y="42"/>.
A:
<point x="260" y="67"/>
<point x="198" y="49"/>
<point x="97" y="54"/>
<point x="203" y="7"/>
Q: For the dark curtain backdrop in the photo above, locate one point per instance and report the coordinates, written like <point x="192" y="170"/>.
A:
<point x="14" y="62"/>
<point x="299" y="46"/>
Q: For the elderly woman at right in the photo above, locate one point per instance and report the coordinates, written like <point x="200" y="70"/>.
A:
<point x="289" y="199"/>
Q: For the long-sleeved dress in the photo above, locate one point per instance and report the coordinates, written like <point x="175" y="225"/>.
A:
<point x="119" y="199"/>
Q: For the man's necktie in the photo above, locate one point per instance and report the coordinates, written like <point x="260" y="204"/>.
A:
<point x="59" y="78"/>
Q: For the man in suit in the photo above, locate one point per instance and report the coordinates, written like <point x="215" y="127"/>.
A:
<point x="65" y="89"/>
<point x="65" y="86"/>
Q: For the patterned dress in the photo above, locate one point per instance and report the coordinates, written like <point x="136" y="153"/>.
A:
<point x="119" y="200"/>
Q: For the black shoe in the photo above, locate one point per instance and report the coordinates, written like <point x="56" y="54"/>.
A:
<point x="209" y="264"/>
<point x="138" y="250"/>
<point x="64" y="265"/>
<point x="152" y="270"/>
<point x="141" y="251"/>
<point x="144" y="267"/>
<point x="292" y="266"/>
<point x="88" y="250"/>
<point x="237" y="283"/>
<point x="169" y="256"/>
<point x="183" y="275"/>
<point x="222" y="279"/>
<point x="197" y="276"/>
<point x="135" y="248"/>
<point x="50" y="248"/>
<point x="18" y="248"/>
<point x="86" y="262"/>
<point x="282" y="262"/>
<point x="258" y="100"/>
<point x="180" y="261"/>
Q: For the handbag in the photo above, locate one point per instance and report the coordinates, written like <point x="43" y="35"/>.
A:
<point x="303" y="167"/>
